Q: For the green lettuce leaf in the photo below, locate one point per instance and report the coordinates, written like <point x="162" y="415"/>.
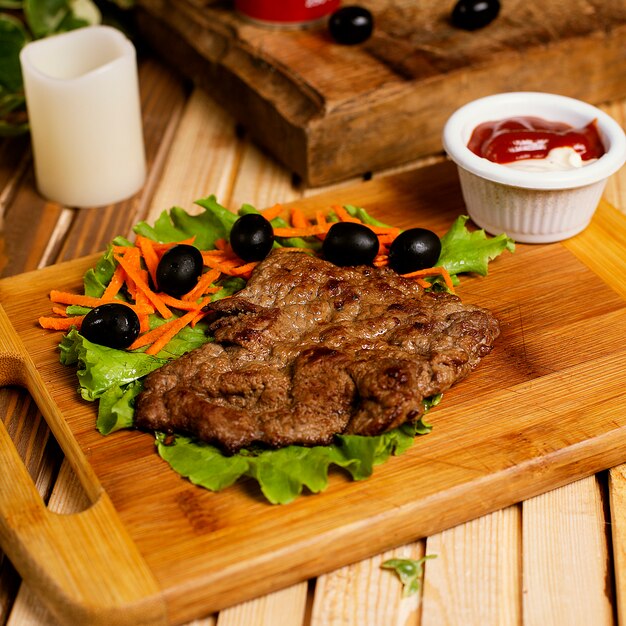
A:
<point x="176" y="224"/>
<point x="97" y="278"/>
<point x="116" y="407"/>
<point x="463" y="250"/>
<point x="283" y="474"/>
<point x="100" y="368"/>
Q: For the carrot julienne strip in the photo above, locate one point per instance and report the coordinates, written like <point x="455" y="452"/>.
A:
<point x="150" y="256"/>
<point x="204" y="283"/>
<point x="173" y="328"/>
<point x="143" y="286"/>
<point x="61" y="323"/>
<point x="65" y="297"/>
<point x="148" y="337"/>
<point x="433" y="271"/>
<point x="343" y="215"/>
<point x="311" y="231"/>
<point x="298" y="219"/>
<point x="183" y="305"/>
<point x="272" y="212"/>
<point x="243" y="269"/>
<point x="163" y="246"/>
<point x="115" y="284"/>
<point x="218" y="252"/>
<point x="224" y="265"/>
<point x="320" y="218"/>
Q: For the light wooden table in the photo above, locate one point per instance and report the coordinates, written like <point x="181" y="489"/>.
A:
<point x="557" y="559"/>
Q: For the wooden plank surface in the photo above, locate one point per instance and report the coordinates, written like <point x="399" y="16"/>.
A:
<point x="329" y="112"/>
<point x="465" y="589"/>
<point x="506" y="455"/>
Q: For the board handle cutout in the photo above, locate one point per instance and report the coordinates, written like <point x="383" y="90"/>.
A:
<point x="85" y="566"/>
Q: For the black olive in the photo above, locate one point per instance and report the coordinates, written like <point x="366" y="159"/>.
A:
<point x="414" y="249"/>
<point x="179" y="269"/>
<point x="252" y="237"/>
<point x="474" y="14"/>
<point x="348" y="243"/>
<point x="351" y="25"/>
<point x="112" y="325"/>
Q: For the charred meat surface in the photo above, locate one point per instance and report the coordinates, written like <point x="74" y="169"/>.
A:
<point x="308" y="350"/>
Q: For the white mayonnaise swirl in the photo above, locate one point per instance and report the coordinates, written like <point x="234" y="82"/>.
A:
<point x="558" y="160"/>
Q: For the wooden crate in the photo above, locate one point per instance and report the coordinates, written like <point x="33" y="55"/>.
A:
<point x="329" y="112"/>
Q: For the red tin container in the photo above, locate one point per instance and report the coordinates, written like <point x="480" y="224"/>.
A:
<point x="286" y="13"/>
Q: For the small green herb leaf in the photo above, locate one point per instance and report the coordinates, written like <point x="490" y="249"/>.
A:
<point x="45" y="16"/>
<point x="13" y="37"/>
<point x="409" y="571"/>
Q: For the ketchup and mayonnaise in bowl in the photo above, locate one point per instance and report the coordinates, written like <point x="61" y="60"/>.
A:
<point x="533" y="165"/>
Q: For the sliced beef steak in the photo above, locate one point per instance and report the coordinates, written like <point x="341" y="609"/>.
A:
<point x="308" y="350"/>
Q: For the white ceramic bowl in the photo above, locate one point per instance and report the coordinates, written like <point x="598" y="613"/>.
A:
<point x="532" y="207"/>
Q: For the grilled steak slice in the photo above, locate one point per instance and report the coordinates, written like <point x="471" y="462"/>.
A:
<point x="308" y="350"/>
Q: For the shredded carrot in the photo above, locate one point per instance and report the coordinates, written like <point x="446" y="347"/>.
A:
<point x="310" y="231"/>
<point x="172" y="329"/>
<point x="424" y="284"/>
<point x="272" y="212"/>
<point x="143" y="286"/>
<point x="343" y="215"/>
<point x="197" y="318"/>
<point x="155" y="334"/>
<point x="433" y="271"/>
<point x="385" y="240"/>
<point x="119" y="249"/>
<point x="144" y="323"/>
<point x="320" y="218"/>
<point x="298" y="218"/>
<point x="65" y="297"/>
<point x="61" y="323"/>
<point x="116" y="282"/>
<point x="243" y="269"/>
<point x="183" y="305"/>
<point x="221" y="244"/>
<point x="162" y="247"/>
<point x="204" y="283"/>
<point x="58" y="310"/>
<point x="147" y="337"/>
<point x="150" y="256"/>
<point x="224" y="265"/>
<point x="221" y="254"/>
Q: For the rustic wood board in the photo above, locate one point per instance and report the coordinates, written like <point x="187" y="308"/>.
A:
<point x="545" y="408"/>
<point x="328" y="112"/>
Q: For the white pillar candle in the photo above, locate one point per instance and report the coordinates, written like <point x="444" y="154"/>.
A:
<point x="82" y="97"/>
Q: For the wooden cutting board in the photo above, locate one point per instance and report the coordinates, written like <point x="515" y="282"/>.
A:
<point x="545" y="408"/>
<point x="328" y="112"/>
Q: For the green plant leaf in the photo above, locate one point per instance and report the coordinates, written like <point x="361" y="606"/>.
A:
<point x="100" y="368"/>
<point x="12" y="130"/>
<point x="282" y="474"/>
<point x="409" y="571"/>
<point x="13" y="37"/>
<point x="44" y="16"/>
<point x="85" y="12"/>
<point x="463" y="250"/>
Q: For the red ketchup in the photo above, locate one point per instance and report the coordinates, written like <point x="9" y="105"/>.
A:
<point x="519" y="138"/>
